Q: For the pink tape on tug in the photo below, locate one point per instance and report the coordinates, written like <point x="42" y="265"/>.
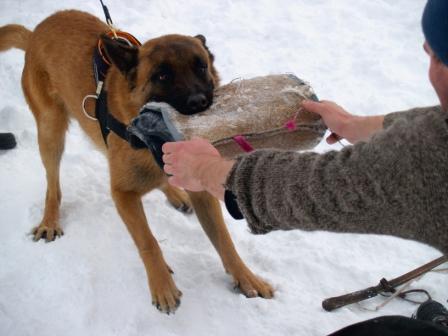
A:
<point x="243" y="143"/>
<point x="291" y="125"/>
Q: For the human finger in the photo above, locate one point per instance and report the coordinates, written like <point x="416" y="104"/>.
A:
<point x="169" y="169"/>
<point x="313" y="106"/>
<point x="169" y="147"/>
<point x="168" y="158"/>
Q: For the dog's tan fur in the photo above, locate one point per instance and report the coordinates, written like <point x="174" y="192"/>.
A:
<point x="56" y="77"/>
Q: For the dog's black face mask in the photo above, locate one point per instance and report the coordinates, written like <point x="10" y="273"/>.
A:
<point x="180" y="76"/>
<point x="187" y="87"/>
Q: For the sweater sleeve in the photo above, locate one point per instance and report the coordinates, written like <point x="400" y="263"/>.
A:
<point x="393" y="184"/>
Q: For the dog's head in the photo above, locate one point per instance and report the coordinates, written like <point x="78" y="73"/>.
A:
<point x="175" y="69"/>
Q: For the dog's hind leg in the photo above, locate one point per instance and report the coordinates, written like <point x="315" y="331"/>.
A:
<point x="52" y="122"/>
<point x="178" y="198"/>
<point x="209" y="213"/>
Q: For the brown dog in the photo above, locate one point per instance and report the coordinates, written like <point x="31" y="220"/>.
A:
<point x="174" y="68"/>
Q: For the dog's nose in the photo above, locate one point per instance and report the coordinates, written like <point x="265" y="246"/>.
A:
<point x="197" y="102"/>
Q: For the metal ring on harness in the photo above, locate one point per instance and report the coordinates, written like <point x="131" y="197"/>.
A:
<point x="84" y="107"/>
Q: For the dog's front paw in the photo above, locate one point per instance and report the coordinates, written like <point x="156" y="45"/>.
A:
<point x="165" y="295"/>
<point x="251" y="285"/>
<point x="47" y="232"/>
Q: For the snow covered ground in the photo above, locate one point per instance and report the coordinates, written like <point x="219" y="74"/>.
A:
<point x="366" y="55"/>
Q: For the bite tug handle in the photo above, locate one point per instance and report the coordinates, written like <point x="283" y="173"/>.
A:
<point x="344" y="300"/>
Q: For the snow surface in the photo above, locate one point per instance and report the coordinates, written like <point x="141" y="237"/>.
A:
<point x="366" y="55"/>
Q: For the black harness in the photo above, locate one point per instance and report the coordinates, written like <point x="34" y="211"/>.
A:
<point x="100" y="67"/>
<point x="106" y="120"/>
<point x="138" y="136"/>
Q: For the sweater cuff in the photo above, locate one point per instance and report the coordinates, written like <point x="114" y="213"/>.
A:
<point x="239" y="182"/>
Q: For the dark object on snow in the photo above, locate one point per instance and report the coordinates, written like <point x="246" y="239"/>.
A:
<point x="383" y="287"/>
<point x="392" y="326"/>
<point x="7" y="141"/>
<point x="432" y="311"/>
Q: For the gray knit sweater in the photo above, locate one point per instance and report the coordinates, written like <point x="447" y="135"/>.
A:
<point x="395" y="183"/>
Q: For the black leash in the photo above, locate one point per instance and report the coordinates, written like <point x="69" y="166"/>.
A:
<point x="106" y="13"/>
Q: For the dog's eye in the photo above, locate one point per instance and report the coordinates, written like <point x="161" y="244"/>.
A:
<point x="202" y="67"/>
<point x="163" y="77"/>
<point x="162" y="74"/>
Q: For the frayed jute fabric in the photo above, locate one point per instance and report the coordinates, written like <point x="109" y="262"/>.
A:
<point x="262" y="112"/>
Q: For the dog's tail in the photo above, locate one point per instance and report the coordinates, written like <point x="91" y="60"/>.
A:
<point x="14" y="36"/>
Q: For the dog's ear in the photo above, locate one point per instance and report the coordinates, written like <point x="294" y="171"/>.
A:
<point x="203" y="40"/>
<point x="123" y="56"/>
<point x="215" y="74"/>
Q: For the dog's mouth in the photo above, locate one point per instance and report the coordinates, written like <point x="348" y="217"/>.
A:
<point x="196" y="103"/>
<point x="188" y="105"/>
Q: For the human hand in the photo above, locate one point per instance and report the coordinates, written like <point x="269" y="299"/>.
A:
<point x="189" y="162"/>
<point x="343" y="124"/>
<point x="339" y="121"/>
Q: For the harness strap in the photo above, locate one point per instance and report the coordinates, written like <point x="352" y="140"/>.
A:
<point x="117" y="127"/>
<point x="101" y="65"/>
<point x="101" y="114"/>
<point x="107" y="121"/>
